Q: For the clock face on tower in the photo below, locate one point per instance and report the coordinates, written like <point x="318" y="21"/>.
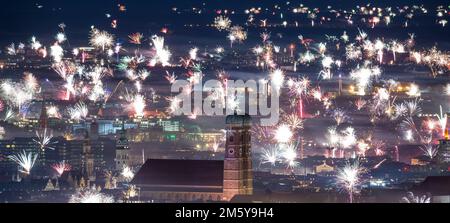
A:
<point x="231" y="152"/>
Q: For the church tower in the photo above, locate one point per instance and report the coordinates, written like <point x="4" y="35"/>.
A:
<point x="122" y="149"/>
<point x="88" y="159"/>
<point x="238" y="171"/>
<point x="43" y="119"/>
<point x="94" y="130"/>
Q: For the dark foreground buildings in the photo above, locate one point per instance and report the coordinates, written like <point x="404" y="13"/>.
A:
<point x="73" y="152"/>
<point x="203" y="180"/>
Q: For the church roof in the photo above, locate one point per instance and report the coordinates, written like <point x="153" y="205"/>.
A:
<point x="204" y="173"/>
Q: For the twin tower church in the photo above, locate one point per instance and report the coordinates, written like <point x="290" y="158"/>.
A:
<point x="203" y="180"/>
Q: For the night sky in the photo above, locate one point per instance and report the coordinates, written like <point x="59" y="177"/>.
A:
<point x="21" y="18"/>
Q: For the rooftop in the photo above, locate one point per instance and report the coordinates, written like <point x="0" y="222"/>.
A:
<point x="180" y="173"/>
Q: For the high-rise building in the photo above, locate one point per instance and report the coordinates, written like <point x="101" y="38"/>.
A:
<point x="122" y="149"/>
<point x="94" y="130"/>
<point x="88" y="159"/>
<point x="43" y="120"/>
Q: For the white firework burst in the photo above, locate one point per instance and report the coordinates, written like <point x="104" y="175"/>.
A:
<point x="101" y="39"/>
<point x="222" y="23"/>
<point x="162" y="53"/>
<point x="127" y="173"/>
<point x="349" y="178"/>
<point x="44" y="139"/>
<point x="271" y="155"/>
<point x="25" y="160"/>
<point x="429" y="151"/>
<point x="90" y="197"/>
<point x="79" y="111"/>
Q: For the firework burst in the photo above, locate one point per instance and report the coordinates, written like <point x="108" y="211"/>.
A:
<point x="101" y="39"/>
<point x="127" y="173"/>
<point x="79" y="111"/>
<point x="44" y="139"/>
<point x="270" y="156"/>
<point x="277" y="79"/>
<point x="289" y="155"/>
<point x="283" y="134"/>
<point x="340" y="116"/>
<point x="136" y="38"/>
<point x="91" y="197"/>
<point x="429" y="151"/>
<point x="162" y="53"/>
<point x="294" y="121"/>
<point x="25" y="160"/>
<point x="349" y="179"/>
<point x="222" y="23"/>
<point x="411" y="198"/>
<point x="363" y="77"/>
<point x="61" y="167"/>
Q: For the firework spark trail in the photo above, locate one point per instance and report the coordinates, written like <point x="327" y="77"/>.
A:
<point x="379" y="164"/>
<point x="413" y="108"/>
<point x="171" y="78"/>
<point x="442" y="118"/>
<point x="410" y="128"/>
<point x="44" y="139"/>
<point x="429" y="151"/>
<point x="25" y="160"/>
<point x="113" y="92"/>
<point x="411" y="198"/>
<point x="360" y="104"/>
<point x="9" y="115"/>
<point x="340" y="116"/>
<point x="215" y="146"/>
